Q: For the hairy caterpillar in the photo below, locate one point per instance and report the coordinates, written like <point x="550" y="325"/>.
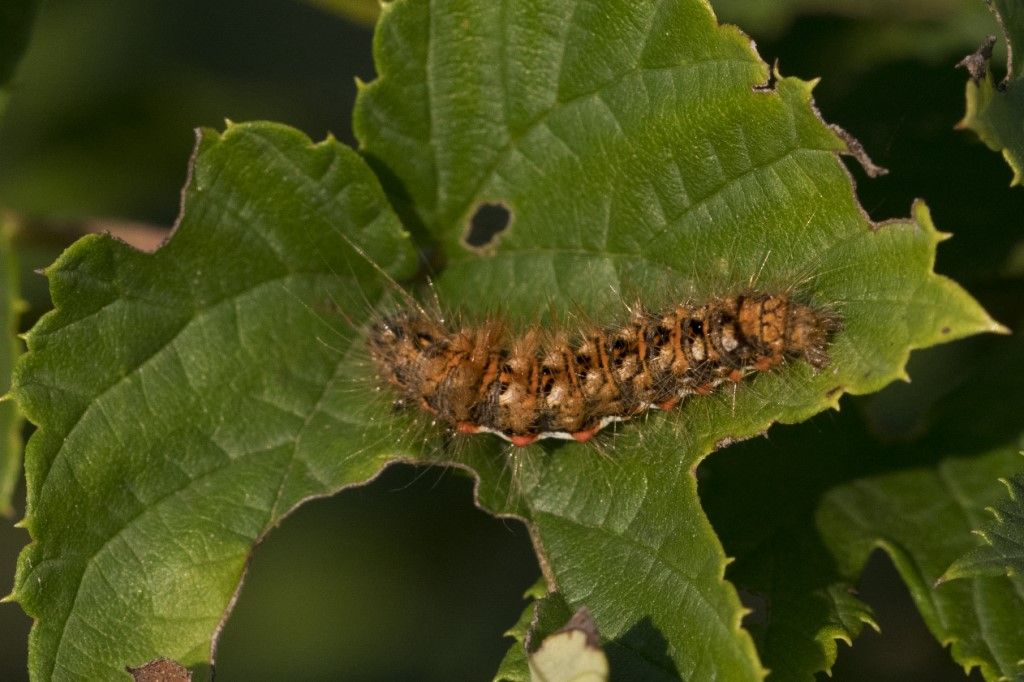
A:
<point x="532" y="386"/>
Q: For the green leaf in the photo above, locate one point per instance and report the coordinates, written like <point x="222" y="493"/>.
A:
<point x="803" y="511"/>
<point x="515" y="666"/>
<point x="1003" y="551"/>
<point x="922" y="518"/>
<point x="188" y="399"/>
<point x="637" y="154"/>
<point x="10" y="418"/>
<point x="761" y="497"/>
<point x="995" y="111"/>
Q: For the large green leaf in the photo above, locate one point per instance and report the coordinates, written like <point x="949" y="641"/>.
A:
<point x="10" y="418"/>
<point x="637" y="154"/>
<point x="995" y="111"/>
<point x="186" y="400"/>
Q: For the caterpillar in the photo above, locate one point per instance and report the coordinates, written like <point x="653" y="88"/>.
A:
<point x="534" y="385"/>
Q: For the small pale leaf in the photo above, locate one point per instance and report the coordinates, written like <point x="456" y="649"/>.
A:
<point x="572" y="654"/>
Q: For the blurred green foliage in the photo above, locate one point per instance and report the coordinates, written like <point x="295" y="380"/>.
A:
<point x="403" y="579"/>
<point x="109" y="93"/>
<point x="15" y="26"/>
<point x="99" y="124"/>
<point x="363" y="12"/>
<point x="11" y="307"/>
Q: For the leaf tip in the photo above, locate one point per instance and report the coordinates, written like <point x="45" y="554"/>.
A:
<point x="922" y="215"/>
<point x="1011" y="490"/>
<point x="954" y="572"/>
<point x="995" y="327"/>
<point x="1017" y="178"/>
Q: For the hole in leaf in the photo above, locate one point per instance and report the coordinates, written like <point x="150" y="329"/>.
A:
<point x="487" y="223"/>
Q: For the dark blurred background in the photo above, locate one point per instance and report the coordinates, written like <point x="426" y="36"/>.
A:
<point x="404" y="578"/>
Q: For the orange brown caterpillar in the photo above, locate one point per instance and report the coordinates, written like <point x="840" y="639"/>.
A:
<point x="534" y="386"/>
